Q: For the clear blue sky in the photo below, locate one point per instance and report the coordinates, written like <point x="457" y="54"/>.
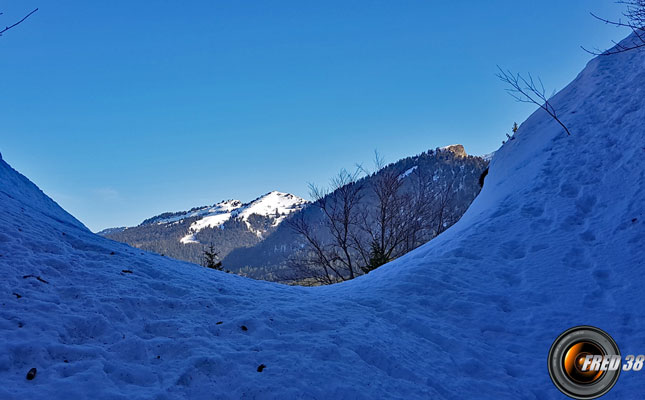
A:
<point x="124" y="109"/>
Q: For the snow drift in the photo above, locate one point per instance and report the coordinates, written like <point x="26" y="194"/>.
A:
<point x="555" y="239"/>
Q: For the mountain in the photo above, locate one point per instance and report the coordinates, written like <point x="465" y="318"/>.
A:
<point x="447" y="168"/>
<point x="251" y="239"/>
<point x="554" y="240"/>
<point x="228" y="224"/>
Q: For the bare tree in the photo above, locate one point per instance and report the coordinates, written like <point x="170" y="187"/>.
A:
<point x="317" y="261"/>
<point x="528" y="90"/>
<point x="634" y="20"/>
<point x="365" y="223"/>
<point x="432" y="207"/>
<point x="330" y="254"/>
<point x="6" y="28"/>
<point x="382" y="225"/>
<point x="398" y="217"/>
<point x="443" y="217"/>
<point x="420" y="210"/>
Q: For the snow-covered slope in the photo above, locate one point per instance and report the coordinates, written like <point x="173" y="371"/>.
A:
<point x="555" y="239"/>
<point x="222" y="208"/>
<point x="276" y="205"/>
<point x="272" y="204"/>
<point x="227" y="225"/>
<point x="212" y="217"/>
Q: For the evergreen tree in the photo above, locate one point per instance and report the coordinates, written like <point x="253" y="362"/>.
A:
<point x="378" y="257"/>
<point x="210" y="259"/>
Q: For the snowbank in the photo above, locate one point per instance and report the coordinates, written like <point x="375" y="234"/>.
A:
<point x="554" y="240"/>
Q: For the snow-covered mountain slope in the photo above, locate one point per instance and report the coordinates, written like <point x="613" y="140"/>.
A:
<point x="275" y="205"/>
<point x="208" y="217"/>
<point x="227" y="225"/>
<point x="222" y="208"/>
<point x="555" y="239"/>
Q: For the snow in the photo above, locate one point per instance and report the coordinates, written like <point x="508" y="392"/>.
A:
<point x="276" y="205"/>
<point x="190" y="238"/>
<point x="555" y="239"/>
<point x="407" y="172"/>
<point x="488" y="156"/>
<point x="225" y="206"/>
<point x="273" y="204"/>
<point x="212" y="221"/>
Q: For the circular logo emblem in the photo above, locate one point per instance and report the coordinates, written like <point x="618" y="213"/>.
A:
<point x="584" y="362"/>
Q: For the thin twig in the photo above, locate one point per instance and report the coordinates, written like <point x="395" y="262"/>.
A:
<point x="36" y="277"/>
<point x="528" y="90"/>
<point x="635" y="15"/>
<point x="17" y="23"/>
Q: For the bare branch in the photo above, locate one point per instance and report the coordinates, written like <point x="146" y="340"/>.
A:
<point x="17" y="23"/>
<point x="527" y="90"/>
<point x="635" y="20"/>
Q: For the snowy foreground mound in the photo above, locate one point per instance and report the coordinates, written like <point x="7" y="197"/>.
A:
<point x="555" y="239"/>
